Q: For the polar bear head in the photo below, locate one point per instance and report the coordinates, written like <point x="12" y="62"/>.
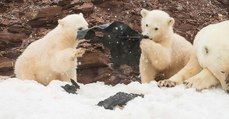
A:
<point x="156" y="24"/>
<point x="72" y="23"/>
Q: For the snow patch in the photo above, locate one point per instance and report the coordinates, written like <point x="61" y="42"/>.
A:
<point x="24" y="99"/>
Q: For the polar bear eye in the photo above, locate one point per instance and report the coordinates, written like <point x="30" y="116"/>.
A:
<point x="156" y="29"/>
<point x="147" y="25"/>
<point x="81" y="28"/>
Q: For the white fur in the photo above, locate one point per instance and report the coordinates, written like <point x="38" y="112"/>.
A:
<point x="53" y="56"/>
<point x="209" y="65"/>
<point x="164" y="51"/>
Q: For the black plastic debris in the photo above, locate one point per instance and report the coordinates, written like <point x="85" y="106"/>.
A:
<point x="119" y="99"/>
<point x="227" y="80"/>
<point x="71" y="88"/>
<point x="122" y="41"/>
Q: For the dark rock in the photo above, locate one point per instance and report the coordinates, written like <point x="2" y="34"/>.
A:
<point x="11" y="39"/>
<point x="43" y="17"/>
<point x="11" y="54"/>
<point x="18" y="1"/>
<point x="6" y="66"/>
<point x="93" y="74"/>
<point x="84" y="8"/>
<point x="93" y="59"/>
<point x="3" y="7"/>
<point x="3" y="22"/>
<point x="119" y="99"/>
<point x="19" y="28"/>
<point x="98" y="1"/>
<point x="93" y="66"/>
<point x="224" y="2"/>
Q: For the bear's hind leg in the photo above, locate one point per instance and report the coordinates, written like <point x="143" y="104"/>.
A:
<point x="203" y="80"/>
<point x="24" y="69"/>
<point x="26" y="74"/>
<point x="190" y="69"/>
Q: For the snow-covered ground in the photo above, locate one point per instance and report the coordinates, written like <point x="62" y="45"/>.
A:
<point x="30" y="100"/>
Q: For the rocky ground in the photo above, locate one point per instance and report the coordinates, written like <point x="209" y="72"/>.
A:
<point x="24" y="21"/>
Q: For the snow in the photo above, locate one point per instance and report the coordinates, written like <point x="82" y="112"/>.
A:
<point x="31" y="100"/>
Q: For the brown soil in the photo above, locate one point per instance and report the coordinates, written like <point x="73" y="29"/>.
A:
<point x="24" y="21"/>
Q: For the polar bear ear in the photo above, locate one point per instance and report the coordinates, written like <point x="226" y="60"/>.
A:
<point x="81" y="14"/>
<point x="144" y="12"/>
<point x="61" y="22"/>
<point x="171" y="21"/>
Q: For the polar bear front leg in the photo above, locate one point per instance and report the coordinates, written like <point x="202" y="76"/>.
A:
<point x="203" y="80"/>
<point x="71" y="74"/>
<point x="190" y="69"/>
<point x="147" y="72"/>
<point x="158" y="55"/>
<point x="65" y="62"/>
<point x="78" y="53"/>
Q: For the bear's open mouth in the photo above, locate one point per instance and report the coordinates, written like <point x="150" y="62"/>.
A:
<point x="146" y="37"/>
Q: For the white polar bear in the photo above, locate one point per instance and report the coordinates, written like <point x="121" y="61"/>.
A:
<point x="163" y="51"/>
<point x="209" y="63"/>
<point x="53" y="56"/>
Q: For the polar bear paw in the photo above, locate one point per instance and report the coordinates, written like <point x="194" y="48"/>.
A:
<point x="195" y="83"/>
<point x="145" y="44"/>
<point x="166" y="83"/>
<point x="79" y="52"/>
<point x="188" y="84"/>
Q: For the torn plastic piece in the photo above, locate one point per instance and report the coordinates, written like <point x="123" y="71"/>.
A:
<point x="119" y="99"/>
<point x="122" y="41"/>
<point x="71" y="88"/>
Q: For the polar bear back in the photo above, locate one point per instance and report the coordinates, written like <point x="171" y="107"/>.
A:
<point x="212" y="49"/>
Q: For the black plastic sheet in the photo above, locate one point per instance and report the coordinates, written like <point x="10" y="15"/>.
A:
<point x="71" y="88"/>
<point x="119" y="99"/>
<point x="122" y="41"/>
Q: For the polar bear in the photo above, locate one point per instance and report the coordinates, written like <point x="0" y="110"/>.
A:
<point x="208" y="65"/>
<point x="163" y="51"/>
<point x="54" y="55"/>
